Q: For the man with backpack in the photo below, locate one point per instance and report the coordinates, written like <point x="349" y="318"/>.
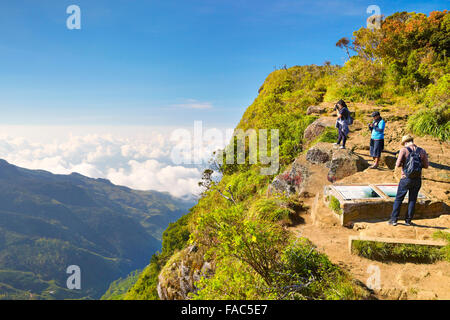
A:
<point x="411" y="159"/>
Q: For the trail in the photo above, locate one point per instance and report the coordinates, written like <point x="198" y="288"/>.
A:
<point x="397" y="280"/>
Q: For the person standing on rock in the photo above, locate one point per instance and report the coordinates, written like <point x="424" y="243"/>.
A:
<point x="377" y="138"/>
<point x="411" y="159"/>
<point x="342" y="123"/>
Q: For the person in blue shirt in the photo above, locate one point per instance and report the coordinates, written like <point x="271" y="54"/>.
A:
<point x="377" y="138"/>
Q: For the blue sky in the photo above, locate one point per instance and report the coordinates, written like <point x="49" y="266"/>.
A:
<point x="158" y="63"/>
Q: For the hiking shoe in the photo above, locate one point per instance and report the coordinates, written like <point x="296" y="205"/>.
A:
<point x="342" y="147"/>
<point x="409" y="223"/>
<point x="336" y="144"/>
<point x="392" y="223"/>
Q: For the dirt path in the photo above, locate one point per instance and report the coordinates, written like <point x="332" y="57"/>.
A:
<point x="397" y="280"/>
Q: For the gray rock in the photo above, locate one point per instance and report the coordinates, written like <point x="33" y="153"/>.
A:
<point x="316" y="128"/>
<point x="178" y="279"/>
<point x="320" y="153"/>
<point x="341" y="162"/>
<point x="345" y="163"/>
<point x="291" y="181"/>
<point x="315" y="110"/>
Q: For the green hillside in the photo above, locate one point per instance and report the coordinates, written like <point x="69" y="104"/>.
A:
<point x="49" y="222"/>
<point x="405" y="64"/>
<point x="119" y="288"/>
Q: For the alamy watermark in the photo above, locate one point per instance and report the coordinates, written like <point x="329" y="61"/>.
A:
<point x="191" y="148"/>
<point x="374" y="21"/>
<point x="74" y="280"/>
<point x="74" y="20"/>
<point x="374" y="280"/>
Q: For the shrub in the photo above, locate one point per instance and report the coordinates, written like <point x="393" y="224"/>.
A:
<point x="271" y="209"/>
<point x="397" y="252"/>
<point x="328" y="135"/>
<point x="434" y="122"/>
<point x="445" y="250"/>
<point x="358" y="80"/>
<point x="334" y="204"/>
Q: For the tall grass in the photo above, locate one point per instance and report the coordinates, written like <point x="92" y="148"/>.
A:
<point x="434" y="122"/>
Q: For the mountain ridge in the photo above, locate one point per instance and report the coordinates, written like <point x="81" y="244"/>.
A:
<point x="50" y="221"/>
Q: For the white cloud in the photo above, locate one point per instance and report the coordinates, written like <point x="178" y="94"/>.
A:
<point x="139" y="162"/>
<point x="195" y="104"/>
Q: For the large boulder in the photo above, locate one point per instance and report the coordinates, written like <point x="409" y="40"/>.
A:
<point x="341" y="162"/>
<point x="291" y="181"/>
<point x="320" y="153"/>
<point x="345" y="163"/>
<point x="315" y="110"/>
<point x="316" y="128"/>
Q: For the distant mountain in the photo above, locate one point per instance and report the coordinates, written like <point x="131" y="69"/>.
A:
<point x="49" y="222"/>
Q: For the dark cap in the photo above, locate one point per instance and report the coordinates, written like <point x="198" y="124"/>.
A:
<point x="375" y="113"/>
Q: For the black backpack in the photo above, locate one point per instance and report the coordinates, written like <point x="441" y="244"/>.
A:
<point x="413" y="165"/>
<point x="348" y="119"/>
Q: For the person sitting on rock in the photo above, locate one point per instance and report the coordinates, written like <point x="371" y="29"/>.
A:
<point x="341" y="123"/>
<point x="377" y="138"/>
<point x="411" y="159"/>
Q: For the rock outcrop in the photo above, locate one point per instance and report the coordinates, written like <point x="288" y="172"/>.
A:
<point x="178" y="277"/>
<point x="316" y="110"/>
<point x="316" y="128"/>
<point x="291" y="181"/>
<point x="341" y="162"/>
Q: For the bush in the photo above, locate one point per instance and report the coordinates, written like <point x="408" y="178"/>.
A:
<point x="434" y="122"/>
<point x="445" y="250"/>
<point x="300" y="272"/>
<point x="358" y="80"/>
<point x="334" y="204"/>
<point x="271" y="209"/>
<point x="328" y="135"/>
<point x="397" y="252"/>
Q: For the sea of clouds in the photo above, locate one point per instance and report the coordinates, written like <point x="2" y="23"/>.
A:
<point x="141" y="161"/>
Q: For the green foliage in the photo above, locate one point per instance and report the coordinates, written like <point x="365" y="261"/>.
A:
<point x="175" y="237"/>
<point x="438" y="95"/>
<point x="358" y="80"/>
<point x="271" y="209"/>
<point x="145" y="286"/>
<point x="233" y="280"/>
<point x="397" y="252"/>
<point x="252" y="241"/>
<point x="259" y="259"/>
<point x="445" y="251"/>
<point x="334" y="204"/>
<point x="328" y="135"/>
<point x="435" y="122"/>
<point x="299" y="272"/>
<point x="119" y="288"/>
